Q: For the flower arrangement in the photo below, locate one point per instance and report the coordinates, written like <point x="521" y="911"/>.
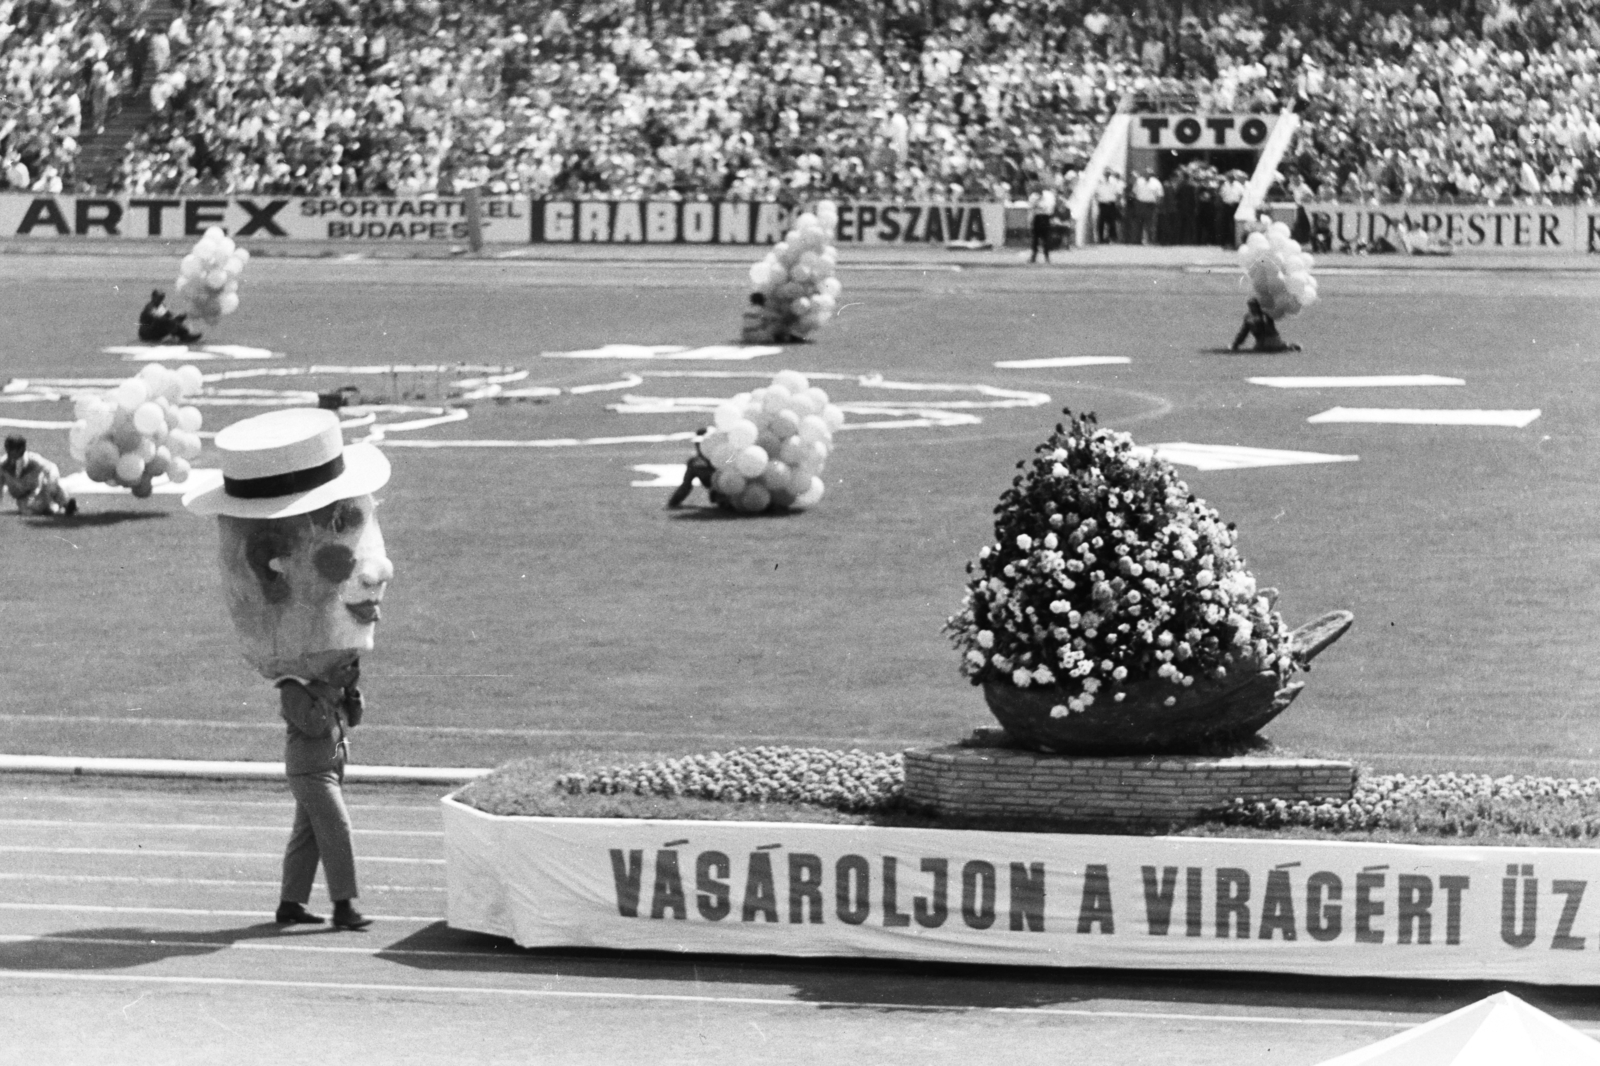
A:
<point x="854" y="781"/>
<point x="1107" y="579"/>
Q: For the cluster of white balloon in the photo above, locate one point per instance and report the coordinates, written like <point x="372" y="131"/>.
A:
<point x="769" y="445"/>
<point x="139" y="430"/>
<point x="795" y="282"/>
<point x="209" y="275"/>
<point x="1278" y="270"/>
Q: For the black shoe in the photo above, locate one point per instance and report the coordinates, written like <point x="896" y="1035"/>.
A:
<point x="345" y="916"/>
<point x="72" y="507"/>
<point x="296" y="914"/>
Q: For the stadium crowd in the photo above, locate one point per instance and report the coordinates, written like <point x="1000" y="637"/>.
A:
<point x="917" y="99"/>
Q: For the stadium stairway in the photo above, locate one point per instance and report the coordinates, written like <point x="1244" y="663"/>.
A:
<point x="100" y="154"/>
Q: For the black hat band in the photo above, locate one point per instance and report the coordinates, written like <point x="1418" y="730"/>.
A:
<point x="265" y="488"/>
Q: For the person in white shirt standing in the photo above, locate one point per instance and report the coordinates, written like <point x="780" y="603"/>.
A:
<point x="1147" y="192"/>
<point x="1042" y="206"/>
<point x="1228" y="199"/>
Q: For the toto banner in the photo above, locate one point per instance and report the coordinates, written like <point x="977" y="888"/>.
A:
<point x="778" y="888"/>
<point x="738" y="222"/>
<point x="1200" y="131"/>
<point x="1524" y="228"/>
<point x="358" y="220"/>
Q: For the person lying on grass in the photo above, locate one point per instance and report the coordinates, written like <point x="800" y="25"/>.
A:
<point x="34" y="481"/>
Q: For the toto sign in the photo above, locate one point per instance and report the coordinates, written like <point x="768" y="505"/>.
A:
<point x="1200" y="131"/>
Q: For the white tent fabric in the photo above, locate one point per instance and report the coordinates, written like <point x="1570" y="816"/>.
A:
<point x="1499" y="1031"/>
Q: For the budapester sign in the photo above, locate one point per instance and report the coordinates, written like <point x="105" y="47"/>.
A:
<point x="1293" y="906"/>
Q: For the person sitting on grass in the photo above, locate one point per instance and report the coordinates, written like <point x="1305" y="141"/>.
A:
<point x="34" y="481"/>
<point x="700" y="469"/>
<point x="1259" y="324"/>
<point x="158" y="325"/>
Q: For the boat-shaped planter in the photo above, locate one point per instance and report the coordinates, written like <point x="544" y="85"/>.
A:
<point x="1202" y="716"/>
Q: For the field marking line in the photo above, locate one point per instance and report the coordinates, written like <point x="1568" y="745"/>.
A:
<point x="162" y="853"/>
<point x="1236" y="457"/>
<point x="715" y="352"/>
<point x="285" y="806"/>
<point x="1416" y="416"/>
<point x="34" y="423"/>
<point x="661" y="997"/>
<point x="115" y="879"/>
<point x="660" y="475"/>
<point x="201" y="477"/>
<point x="439" y="730"/>
<point x="190" y="912"/>
<point x="544" y="442"/>
<point x="1371" y="381"/>
<point x="1062" y="361"/>
<point x="202" y="827"/>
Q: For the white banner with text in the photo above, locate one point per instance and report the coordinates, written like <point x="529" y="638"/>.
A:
<point x="1522" y="228"/>
<point x="358" y="220"/>
<point x="1174" y="903"/>
<point x="742" y="222"/>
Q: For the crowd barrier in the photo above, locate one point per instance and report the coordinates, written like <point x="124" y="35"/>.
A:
<point x="501" y="220"/>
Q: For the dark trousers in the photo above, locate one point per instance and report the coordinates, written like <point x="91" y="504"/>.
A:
<point x="1108" y="223"/>
<point x="1041" y="237"/>
<point x="321" y="833"/>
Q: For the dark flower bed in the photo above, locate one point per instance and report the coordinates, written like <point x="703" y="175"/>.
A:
<point x="1444" y="805"/>
<point x="853" y="781"/>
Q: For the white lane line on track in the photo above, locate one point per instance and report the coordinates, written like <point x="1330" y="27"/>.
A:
<point x="112" y="879"/>
<point x="285" y="806"/>
<point x="659" y="997"/>
<point x="451" y="730"/>
<point x="71" y="823"/>
<point x="163" y="854"/>
<point x="245" y="945"/>
<point x="192" y="912"/>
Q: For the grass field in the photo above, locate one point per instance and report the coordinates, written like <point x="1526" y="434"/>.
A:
<point x="543" y="603"/>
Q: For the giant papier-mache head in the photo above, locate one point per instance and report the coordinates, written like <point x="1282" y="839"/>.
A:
<point x="303" y="563"/>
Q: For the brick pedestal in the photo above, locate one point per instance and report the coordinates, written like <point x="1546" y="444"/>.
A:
<point x="1140" y="791"/>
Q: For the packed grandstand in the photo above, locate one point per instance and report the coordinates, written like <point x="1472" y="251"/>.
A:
<point x="1471" y="100"/>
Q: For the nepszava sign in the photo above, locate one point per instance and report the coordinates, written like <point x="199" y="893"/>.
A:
<point x="1289" y="906"/>
<point x="1200" y="131"/>
<point x="738" y="222"/>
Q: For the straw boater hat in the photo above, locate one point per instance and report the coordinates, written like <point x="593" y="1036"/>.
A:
<point x="288" y="462"/>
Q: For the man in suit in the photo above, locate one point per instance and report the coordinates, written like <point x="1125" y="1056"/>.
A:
<point x="304" y="571"/>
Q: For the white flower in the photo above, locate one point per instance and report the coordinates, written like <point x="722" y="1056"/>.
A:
<point x="1120" y="673"/>
<point x="1091" y="685"/>
<point x="1059" y="607"/>
<point x="1059" y="455"/>
<point x="1021" y="678"/>
<point x="1204" y="579"/>
<point x="1024" y="541"/>
<point x="1059" y="711"/>
<point x="1057" y="470"/>
<point x="1050" y="541"/>
<point x="1043" y="676"/>
<point x="985" y="639"/>
<point x="983" y="553"/>
<point x="1170" y="700"/>
<point x="976" y="657"/>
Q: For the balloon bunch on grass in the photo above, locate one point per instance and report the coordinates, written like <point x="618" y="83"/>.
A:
<point x="796" y="291"/>
<point x="139" y="430"/>
<point x="209" y="275"/>
<point x="1278" y="271"/>
<point x="769" y="445"/>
